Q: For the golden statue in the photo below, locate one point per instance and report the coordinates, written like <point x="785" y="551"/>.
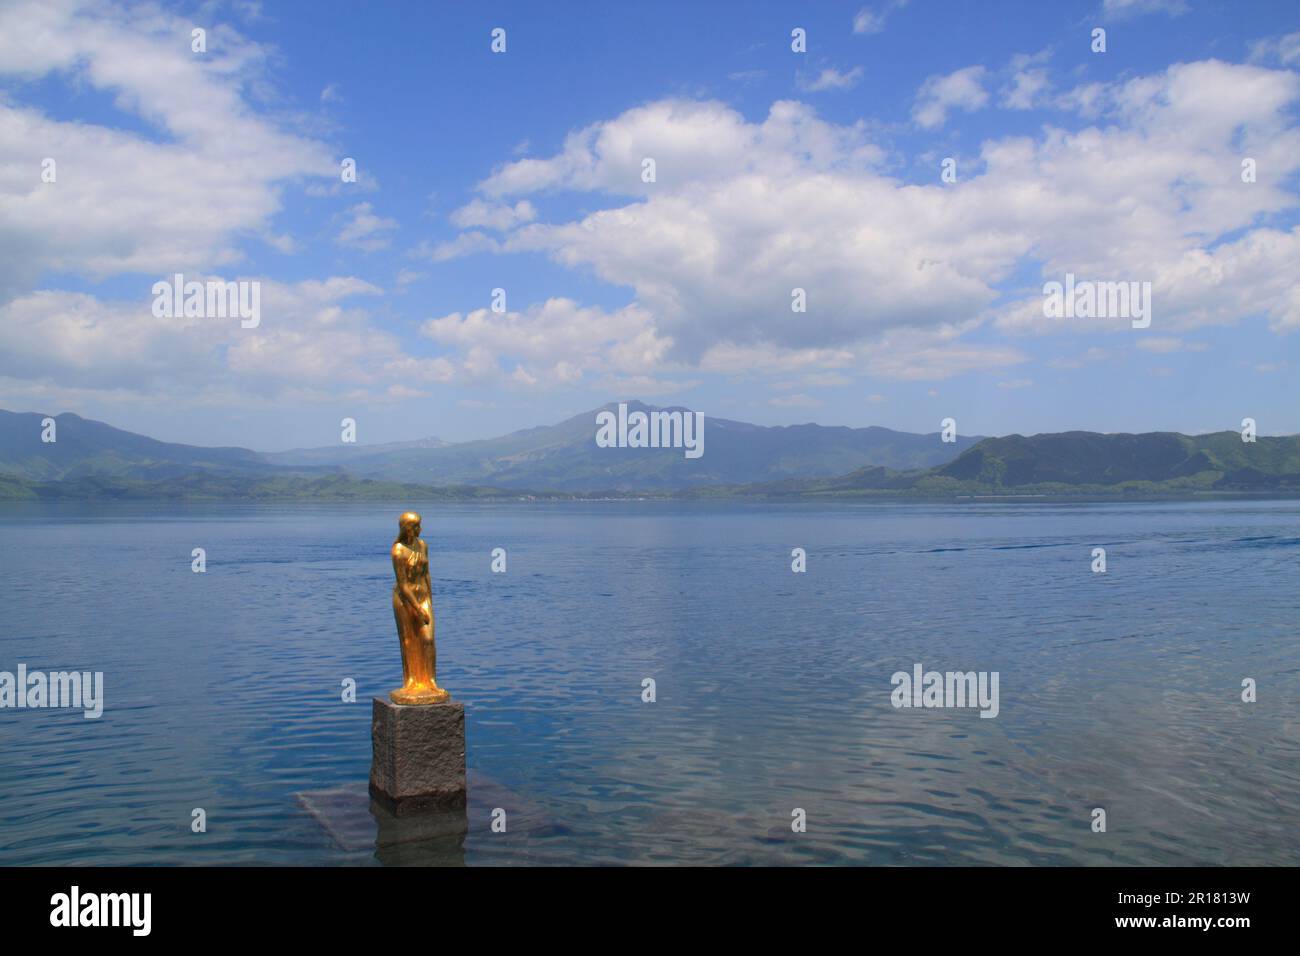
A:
<point x="413" y="610"/>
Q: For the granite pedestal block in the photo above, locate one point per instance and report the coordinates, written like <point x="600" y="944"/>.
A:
<point x="418" y="756"/>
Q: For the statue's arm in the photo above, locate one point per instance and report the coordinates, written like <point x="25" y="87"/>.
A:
<point x="403" y="586"/>
<point x="428" y="584"/>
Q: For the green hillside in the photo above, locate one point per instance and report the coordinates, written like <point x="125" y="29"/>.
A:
<point x="1069" y="463"/>
<point x="85" y="448"/>
<point x="1220" y="461"/>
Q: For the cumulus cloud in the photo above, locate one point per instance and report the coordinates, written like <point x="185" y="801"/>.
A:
<point x="939" y="95"/>
<point x="174" y="181"/>
<point x="467" y="243"/>
<point x="1028" y="85"/>
<point x="1283" y="49"/>
<point x="897" y="275"/>
<point x="498" y="216"/>
<point x="310" y="344"/>
<point x="1025" y="90"/>
<point x="716" y="257"/>
<point x="903" y="280"/>
<point x="556" y="342"/>
<point x="365" y="230"/>
<point x="1156" y="194"/>
<point x="174" y="198"/>
<point x="691" y="142"/>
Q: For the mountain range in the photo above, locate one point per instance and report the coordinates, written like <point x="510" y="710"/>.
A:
<point x="93" y="459"/>
<point x="563" y="457"/>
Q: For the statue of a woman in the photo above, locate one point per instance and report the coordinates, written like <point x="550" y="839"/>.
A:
<point x="413" y="610"/>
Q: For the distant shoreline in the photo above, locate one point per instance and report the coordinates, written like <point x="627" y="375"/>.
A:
<point x="363" y="491"/>
<point x="565" y="462"/>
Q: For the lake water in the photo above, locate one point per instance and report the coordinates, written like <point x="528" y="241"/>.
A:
<point x="223" y="690"/>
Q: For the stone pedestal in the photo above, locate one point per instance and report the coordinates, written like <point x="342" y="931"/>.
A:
<point x="418" y="762"/>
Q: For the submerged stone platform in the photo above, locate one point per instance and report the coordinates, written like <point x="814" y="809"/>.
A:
<point x="362" y="829"/>
<point x="418" y="757"/>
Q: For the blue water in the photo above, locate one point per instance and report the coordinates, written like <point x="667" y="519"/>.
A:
<point x="223" y="690"/>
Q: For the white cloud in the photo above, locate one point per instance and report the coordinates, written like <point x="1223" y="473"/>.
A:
<point x="1028" y="85"/>
<point x="283" y="243"/>
<point x="127" y="201"/>
<point x="309" y="345"/>
<point x="872" y="19"/>
<point x="557" y="342"/>
<point x="365" y="230"/>
<point x="715" y="259"/>
<point x="691" y="142"/>
<point x="1282" y="49"/>
<point x="962" y="89"/>
<point x="831" y="79"/>
<point x="897" y="274"/>
<point x="498" y="216"/>
<point x="1088" y="100"/>
<point x="467" y="243"/>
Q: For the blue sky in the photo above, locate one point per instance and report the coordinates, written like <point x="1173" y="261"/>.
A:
<point x="775" y="169"/>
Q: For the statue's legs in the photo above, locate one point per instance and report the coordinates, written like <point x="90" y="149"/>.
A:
<point x="419" y="660"/>
<point x="400" y="615"/>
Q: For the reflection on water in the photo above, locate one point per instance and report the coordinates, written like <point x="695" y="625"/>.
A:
<point x="223" y="690"/>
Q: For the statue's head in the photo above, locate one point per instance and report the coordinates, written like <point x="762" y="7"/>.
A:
<point x="408" y="526"/>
